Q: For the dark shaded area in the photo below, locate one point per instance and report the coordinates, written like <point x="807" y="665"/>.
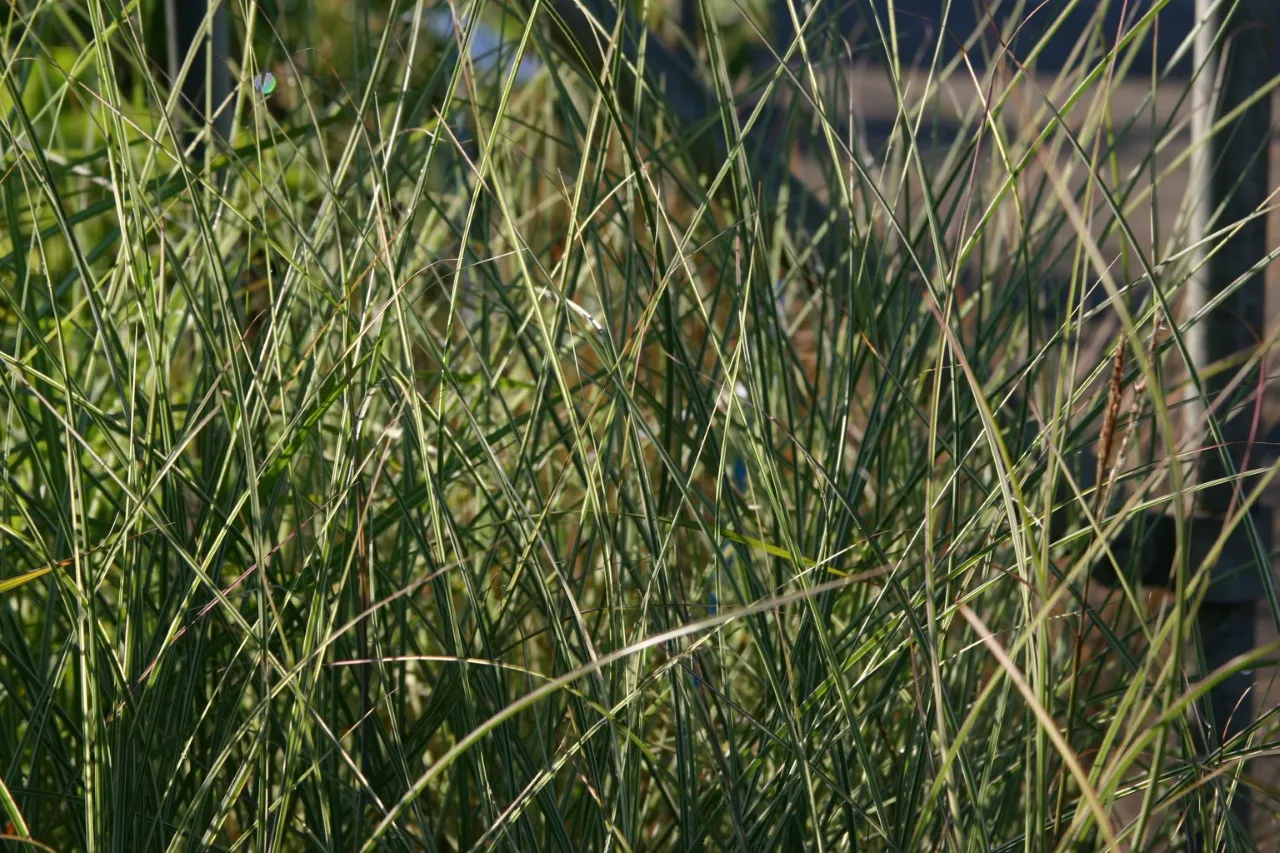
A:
<point x="920" y="29"/>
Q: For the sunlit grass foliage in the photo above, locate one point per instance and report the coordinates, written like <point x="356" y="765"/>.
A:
<point x="462" y="453"/>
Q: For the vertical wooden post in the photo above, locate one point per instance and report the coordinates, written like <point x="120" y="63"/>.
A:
<point x="1234" y="56"/>
<point x="208" y="82"/>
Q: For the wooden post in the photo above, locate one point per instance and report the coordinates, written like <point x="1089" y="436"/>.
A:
<point x="208" y="82"/>
<point x="1234" y="57"/>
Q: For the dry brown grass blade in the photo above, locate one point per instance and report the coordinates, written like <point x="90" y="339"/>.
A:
<point x="1106" y="437"/>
